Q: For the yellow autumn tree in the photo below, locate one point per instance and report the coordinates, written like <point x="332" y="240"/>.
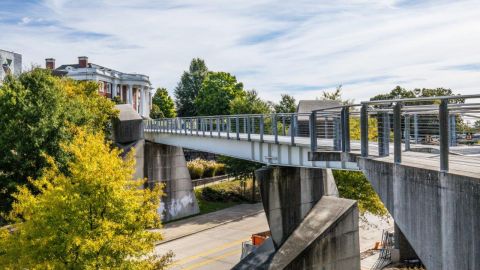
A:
<point x="94" y="216"/>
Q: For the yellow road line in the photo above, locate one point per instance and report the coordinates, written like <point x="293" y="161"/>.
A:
<point x="209" y="261"/>
<point x="208" y="252"/>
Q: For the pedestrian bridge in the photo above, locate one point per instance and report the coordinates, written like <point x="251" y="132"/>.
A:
<point x="421" y="156"/>
<point x="428" y="132"/>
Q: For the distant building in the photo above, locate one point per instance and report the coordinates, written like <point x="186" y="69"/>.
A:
<point x="325" y="125"/>
<point x="10" y="63"/>
<point x="134" y="89"/>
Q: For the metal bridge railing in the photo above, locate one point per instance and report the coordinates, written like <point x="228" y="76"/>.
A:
<point x="417" y="124"/>
<point x="369" y="128"/>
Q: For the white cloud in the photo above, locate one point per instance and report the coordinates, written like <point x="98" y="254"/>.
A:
<point x="298" y="47"/>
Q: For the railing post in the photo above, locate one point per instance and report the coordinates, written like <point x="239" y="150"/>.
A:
<point x="274" y="127"/>
<point x="444" y="147"/>
<point x="346" y="129"/>
<point x="313" y="131"/>
<point x="364" y="130"/>
<point x="292" y="129"/>
<point x="383" y="134"/>
<point x="191" y="126"/>
<point x="211" y="127"/>
<point x="248" y="128"/>
<point x="228" y="127"/>
<point x="245" y="124"/>
<point x="237" y="123"/>
<point x="397" y="133"/>
<point x="283" y="126"/>
<point x="261" y="128"/>
<point x="453" y="130"/>
<point x="197" y="120"/>
<point x="415" y="128"/>
<point x="218" y="126"/>
<point x="337" y="132"/>
<point x="407" y="132"/>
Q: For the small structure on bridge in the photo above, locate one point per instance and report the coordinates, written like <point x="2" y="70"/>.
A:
<point x="325" y="126"/>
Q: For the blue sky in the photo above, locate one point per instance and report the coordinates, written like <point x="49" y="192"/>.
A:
<point x="296" y="47"/>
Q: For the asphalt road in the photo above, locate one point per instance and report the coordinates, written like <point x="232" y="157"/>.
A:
<point x="217" y="248"/>
<point x="214" y="240"/>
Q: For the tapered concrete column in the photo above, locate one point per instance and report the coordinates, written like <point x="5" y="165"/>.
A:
<point x="288" y="193"/>
<point x="309" y="229"/>
<point x="166" y="165"/>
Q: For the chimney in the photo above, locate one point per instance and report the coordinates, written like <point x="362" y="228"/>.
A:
<point x="50" y="63"/>
<point x="83" y="61"/>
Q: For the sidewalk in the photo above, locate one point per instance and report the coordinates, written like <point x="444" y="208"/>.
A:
<point x="178" y="229"/>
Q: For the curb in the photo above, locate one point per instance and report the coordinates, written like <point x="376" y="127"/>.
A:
<point x="205" y="229"/>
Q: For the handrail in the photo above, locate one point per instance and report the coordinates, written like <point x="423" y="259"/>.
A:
<point x="334" y="123"/>
<point x="387" y="101"/>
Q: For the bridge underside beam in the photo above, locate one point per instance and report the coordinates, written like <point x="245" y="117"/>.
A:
<point x="267" y="152"/>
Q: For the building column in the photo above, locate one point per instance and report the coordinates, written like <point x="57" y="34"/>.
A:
<point x="148" y="99"/>
<point x="142" y="101"/>
<point x="130" y="94"/>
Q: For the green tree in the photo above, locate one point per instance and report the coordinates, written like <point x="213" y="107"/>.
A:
<point x="162" y="105"/>
<point x="355" y="186"/>
<point x="37" y="113"/>
<point x="249" y="103"/>
<point x="217" y="92"/>
<point x="336" y="96"/>
<point x="92" y="217"/>
<point x="396" y="93"/>
<point x="287" y="104"/>
<point x="187" y="89"/>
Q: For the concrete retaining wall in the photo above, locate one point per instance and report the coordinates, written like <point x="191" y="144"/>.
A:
<point x="439" y="213"/>
<point x="326" y="239"/>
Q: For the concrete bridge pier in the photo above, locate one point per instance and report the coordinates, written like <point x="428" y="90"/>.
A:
<point x="158" y="163"/>
<point x="166" y="164"/>
<point x="437" y="212"/>
<point x="311" y="227"/>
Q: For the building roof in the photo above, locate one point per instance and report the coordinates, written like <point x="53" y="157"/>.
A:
<point x="89" y="65"/>
<point x="307" y="106"/>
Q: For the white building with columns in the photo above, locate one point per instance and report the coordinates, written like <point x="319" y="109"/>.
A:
<point x="130" y="88"/>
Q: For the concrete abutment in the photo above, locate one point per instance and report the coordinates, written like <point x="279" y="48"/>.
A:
<point x="311" y="227"/>
<point x="438" y="213"/>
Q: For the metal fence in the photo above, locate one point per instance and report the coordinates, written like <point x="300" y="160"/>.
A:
<point x="369" y="128"/>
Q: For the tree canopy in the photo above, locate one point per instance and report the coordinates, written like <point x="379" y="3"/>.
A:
<point x="37" y="113"/>
<point x="249" y="103"/>
<point x="94" y="216"/>
<point x="217" y="92"/>
<point x="162" y="105"/>
<point x="287" y="104"/>
<point x="189" y="86"/>
<point x="400" y="92"/>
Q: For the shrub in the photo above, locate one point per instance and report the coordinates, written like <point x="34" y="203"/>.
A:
<point x="195" y="169"/>
<point x="224" y="192"/>
<point x="209" y="168"/>
<point x="200" y="168"/>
